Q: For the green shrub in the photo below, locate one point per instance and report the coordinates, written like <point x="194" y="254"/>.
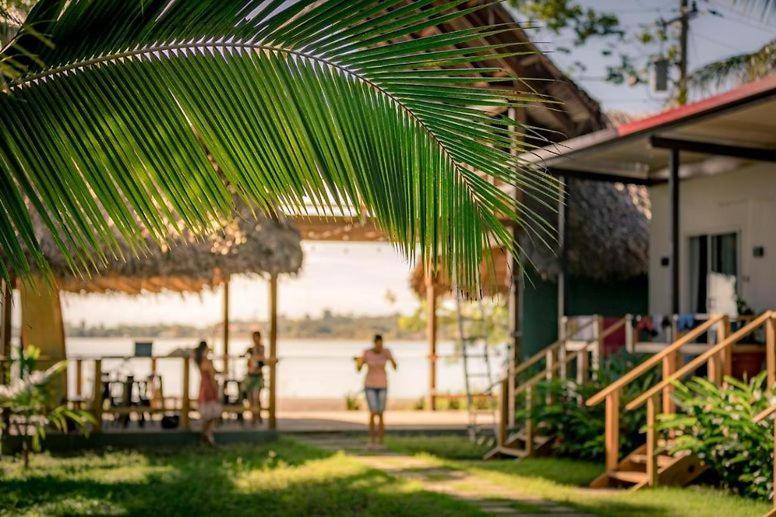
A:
<point x="716" y="424"/>
<point x="579" y="429"/>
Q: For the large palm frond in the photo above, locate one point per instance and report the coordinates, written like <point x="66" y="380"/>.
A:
<point x="134" y="115"/>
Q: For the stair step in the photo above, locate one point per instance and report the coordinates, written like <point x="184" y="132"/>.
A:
<point x="628" y="476"/>
<point x="511" y="451"/>
<point x="663" y="460"/>
<point x="538" y="440"/>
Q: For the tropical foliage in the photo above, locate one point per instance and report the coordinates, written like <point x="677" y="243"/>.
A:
<point x="578" y="428"/>
<point x="130" y="118"/>
<point x="717" y="424"/>
<point x="30" y="406"/>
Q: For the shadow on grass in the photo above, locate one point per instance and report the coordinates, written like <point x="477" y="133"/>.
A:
<point x="298" y="480"/>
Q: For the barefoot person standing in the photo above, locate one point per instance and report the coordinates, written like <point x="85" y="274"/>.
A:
<point x="376" y="385"/>
<point x="208" y="405"/>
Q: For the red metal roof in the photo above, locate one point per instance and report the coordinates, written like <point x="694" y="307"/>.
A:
<point x="762" y="87"/>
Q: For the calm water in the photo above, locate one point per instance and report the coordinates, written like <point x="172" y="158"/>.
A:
<point x="307" y="368"/>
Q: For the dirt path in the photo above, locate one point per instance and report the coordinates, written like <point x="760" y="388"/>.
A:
<point x="489" y="497"/>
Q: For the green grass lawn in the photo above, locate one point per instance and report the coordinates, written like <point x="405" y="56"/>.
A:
<point x="290" y="478"/>
<point x="281" y="478"/>
<point x="565" y="481"/>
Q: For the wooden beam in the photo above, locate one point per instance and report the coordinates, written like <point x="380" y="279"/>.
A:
<point x="273" y="349"/>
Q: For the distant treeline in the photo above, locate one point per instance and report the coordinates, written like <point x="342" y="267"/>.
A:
<point x="328" y="325"/>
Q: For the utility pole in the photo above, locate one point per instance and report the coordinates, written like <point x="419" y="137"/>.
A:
<point x="684" y="28"/>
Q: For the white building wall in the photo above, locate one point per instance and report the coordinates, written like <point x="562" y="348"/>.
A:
<point x="743" y="201"/>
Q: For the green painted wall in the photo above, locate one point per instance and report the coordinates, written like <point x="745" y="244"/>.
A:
<point x="540" y="310"/>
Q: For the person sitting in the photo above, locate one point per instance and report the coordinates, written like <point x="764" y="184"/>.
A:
<point x="376" y="386"/>
<point x="254" y="379"/>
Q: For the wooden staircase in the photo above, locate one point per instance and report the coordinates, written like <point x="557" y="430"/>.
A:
<point x="632" y="471"/>
<point x="648" y="465"/>
<point x="528" y="440"/>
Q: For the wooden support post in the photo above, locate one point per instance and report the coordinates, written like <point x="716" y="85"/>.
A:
<point x="673" y="189"/>
<point x="550" y="364"/>
<point x="501" y="432"/>
<point x="714" y="368"/>
<point x="583" y="365"/>
<point x="226" y="325"/>
<point x="726" y="356"/>
<point x="652" y="472"/>
<point x="97" y="396"/>
<point x="630" y="341"/>
<point x="612" y="430"/>
<point x="153" y="366"/>
<point x="273" y="349"/>
<point x="770" y="350"/>
<point x="431" y="333"/>
<point x="79" y="378"/>
<point x="5" y="328"/>
<point x="529" y="427"/>
<point x="185" y="403"/>
<point x="598" y="351"/>
<point x="670" y="363"/>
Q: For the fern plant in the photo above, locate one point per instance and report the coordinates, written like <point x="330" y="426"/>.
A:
<point x="716" y="423"/>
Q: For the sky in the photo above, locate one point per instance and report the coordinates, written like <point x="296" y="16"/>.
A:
<point x="356" y="278"/>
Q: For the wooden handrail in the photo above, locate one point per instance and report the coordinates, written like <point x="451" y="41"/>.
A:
<point x="765" y="413"/>
<point x="698" y="361"/>
<point x="533" y="381"/>
<point x="538" y="356"/>
<point x="653" y="361"/>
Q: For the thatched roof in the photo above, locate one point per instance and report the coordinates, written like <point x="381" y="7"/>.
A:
<point x="607" y="223"/>
<point x="608" y="233"/>
<point x="249" y="244"/>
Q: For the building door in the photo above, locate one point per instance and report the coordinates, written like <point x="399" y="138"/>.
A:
<point x="714" y="273"/>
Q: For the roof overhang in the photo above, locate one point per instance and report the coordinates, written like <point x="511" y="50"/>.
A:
<point x="715" y="135"/>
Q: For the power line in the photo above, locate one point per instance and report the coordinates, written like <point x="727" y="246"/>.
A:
<point x="718" y="42"/>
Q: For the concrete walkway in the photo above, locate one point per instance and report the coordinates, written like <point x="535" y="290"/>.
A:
<point x="489" y="497"/>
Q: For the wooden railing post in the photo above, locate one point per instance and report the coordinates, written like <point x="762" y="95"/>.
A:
<point x="551" y="365"/>
<point x="501" y="434"/>
<point x="723" y="331"/>
<point x="97" y="396"/>
<point x="79" y="378"/>
<point x="529" y="428"/>
<point x="770" y="350"/>
<point x="583" y="365"/>
<point x="598" y="351"/>
<point x="562" y="352"/>
<point x="630" y="342"/>
<point x="670" y="362"/>
<point x="652" y="472"/>
<point x="185" y="404"/>
<point x="612" y="436"/>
